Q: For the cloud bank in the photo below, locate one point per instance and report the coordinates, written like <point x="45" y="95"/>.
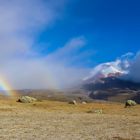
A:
<point x="134" y="69"/>
<point x="19" y="23"/>
<point x="20" y="65"/>
<point x="130" y="64"/>
<point x="51" y="71"/>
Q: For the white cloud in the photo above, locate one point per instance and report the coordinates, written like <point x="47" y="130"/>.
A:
<point x="20" y="21"/>
<point x="68" y="51"/>
<point x="134" y="69"/>
<point x="51" y="71"/>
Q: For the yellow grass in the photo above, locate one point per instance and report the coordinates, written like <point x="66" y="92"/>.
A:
<point x="51" y="120"/>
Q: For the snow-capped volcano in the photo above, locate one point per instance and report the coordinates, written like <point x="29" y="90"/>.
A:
<point x="105" y="70"/>
<point x="114" y="81"/>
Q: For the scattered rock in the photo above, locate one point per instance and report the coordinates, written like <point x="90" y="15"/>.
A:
<point x="26" y="99"/>
<point x="73" y="102"/>
<point x="130" y="103"/>
<point x="84" y="103"/>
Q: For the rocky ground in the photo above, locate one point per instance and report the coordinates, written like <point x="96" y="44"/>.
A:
<point x="51" y="120"/>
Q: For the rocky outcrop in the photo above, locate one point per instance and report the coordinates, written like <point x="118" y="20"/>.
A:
<point x="130" y="103"/>
<point x="26" y="99"/>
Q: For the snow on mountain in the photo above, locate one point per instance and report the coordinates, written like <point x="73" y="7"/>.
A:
<point x="116" y="68"/>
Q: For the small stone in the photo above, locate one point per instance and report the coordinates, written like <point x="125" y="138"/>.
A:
<point x="73" y="102"/>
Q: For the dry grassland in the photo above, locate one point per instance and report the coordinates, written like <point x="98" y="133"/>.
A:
<point x="51" y="120"/>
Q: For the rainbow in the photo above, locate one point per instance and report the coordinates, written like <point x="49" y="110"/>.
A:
<point x="6" y="89"/>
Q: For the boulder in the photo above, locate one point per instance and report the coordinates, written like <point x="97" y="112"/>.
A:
<point x="84" y="103"/>
<point x="130" y="103"/>
<point x="26" y="99"/>
<point x="73" y="102"/>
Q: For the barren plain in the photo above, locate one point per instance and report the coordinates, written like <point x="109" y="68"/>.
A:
<point x="53" y="120"/>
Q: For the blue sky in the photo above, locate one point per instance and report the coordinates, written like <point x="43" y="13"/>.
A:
<point x="51" y="44"/>
<point x="111" y="29"/>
